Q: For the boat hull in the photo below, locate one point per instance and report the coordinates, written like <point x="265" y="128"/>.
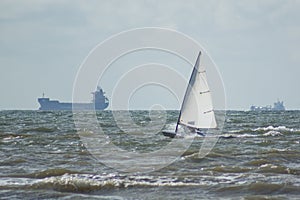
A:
<point x="173" y="134"/>
<point x="170" y="134"/>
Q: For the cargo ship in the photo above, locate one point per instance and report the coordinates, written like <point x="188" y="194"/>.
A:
<point x="278" y="106"/>
<point x="99" y="102"/>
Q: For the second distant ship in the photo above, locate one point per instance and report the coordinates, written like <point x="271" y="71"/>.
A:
<point x="99" y="102"/>
<point x="278" y="106"/>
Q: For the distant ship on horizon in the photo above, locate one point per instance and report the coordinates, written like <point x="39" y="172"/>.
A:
<point x="278" y="106"/>
<point x="99" y="102"/>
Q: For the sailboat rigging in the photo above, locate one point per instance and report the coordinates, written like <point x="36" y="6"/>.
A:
<point x="196" y="111"/>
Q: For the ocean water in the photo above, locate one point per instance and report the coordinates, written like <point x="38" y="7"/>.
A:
<point x="43" y="156"/>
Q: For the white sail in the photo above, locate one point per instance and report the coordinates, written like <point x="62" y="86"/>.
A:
<point x="197" y="109"/>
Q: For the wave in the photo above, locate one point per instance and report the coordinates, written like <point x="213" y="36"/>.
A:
<point x="88" y="183"/>
<point x="39" y="129"/>
<point x="45" y="173"/>
<point x="261" y="188"/>
<point x="268" y="131"/>
<point x="272" y="133"/>
<point x="234" y="135"/>
<point x="277" y="169"/>
<point x="278" y="128"/>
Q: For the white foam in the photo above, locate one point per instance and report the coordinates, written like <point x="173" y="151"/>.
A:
<point x="272" y="133"/>
<point x="272" y="128"/>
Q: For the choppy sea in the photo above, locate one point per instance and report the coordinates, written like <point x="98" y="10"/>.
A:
<point x="44" y="157"/>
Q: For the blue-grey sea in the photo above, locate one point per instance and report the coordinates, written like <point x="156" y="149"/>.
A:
<point x="44" y="157"/>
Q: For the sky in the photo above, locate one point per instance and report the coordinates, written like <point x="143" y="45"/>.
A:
<point x="255" y="44"/>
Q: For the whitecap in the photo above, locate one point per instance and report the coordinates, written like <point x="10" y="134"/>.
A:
<point x="272" y="133"/>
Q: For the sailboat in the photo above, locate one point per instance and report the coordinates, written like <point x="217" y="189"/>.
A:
<point x="196" y="113"/>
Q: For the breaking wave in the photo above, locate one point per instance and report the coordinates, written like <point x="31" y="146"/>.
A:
<point x="261" y="132"/>
<point x="278" y="128"/>
<point x="88" y="183"/>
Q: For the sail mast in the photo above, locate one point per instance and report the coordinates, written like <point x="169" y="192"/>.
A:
<point x="178" y="120"/>
<point x="186" y="91"/>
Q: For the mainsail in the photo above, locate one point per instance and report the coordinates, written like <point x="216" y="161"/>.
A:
<point x="197" y="109"/>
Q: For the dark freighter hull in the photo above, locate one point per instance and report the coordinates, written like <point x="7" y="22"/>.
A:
<point x="54" y="105"/>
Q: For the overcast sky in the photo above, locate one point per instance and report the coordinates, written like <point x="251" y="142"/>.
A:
<point x="255" y="44"/>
